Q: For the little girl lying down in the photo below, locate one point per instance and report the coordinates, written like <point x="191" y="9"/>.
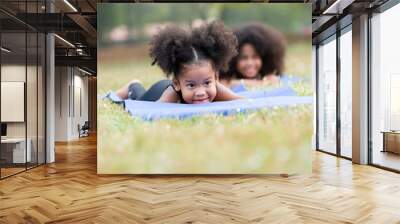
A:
<point x="193" y="59"/>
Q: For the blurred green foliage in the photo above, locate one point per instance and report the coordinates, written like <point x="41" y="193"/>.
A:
<point x="288" y="18"/>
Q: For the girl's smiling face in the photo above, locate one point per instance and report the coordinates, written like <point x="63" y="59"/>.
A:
<point x="249" y="62"/>
<point x="197" y="82"/>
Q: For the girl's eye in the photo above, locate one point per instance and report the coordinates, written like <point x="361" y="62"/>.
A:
<point x="190" y="85"/>
<point x="207" y="83"/>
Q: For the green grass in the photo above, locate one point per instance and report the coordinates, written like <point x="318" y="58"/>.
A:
<point x="276" y="140"/>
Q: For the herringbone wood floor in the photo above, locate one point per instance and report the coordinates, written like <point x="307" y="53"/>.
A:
<point x="70" y="191"/>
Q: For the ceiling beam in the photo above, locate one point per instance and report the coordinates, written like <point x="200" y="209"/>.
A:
<point x="76" y="61"/>
<point x="84" y="24"/>
<point x="337" y="7"/>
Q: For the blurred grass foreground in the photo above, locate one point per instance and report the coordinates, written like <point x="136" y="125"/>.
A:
<point x="269" y="141"/>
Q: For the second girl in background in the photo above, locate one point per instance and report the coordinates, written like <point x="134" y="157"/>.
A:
<point x="260" y="60"/>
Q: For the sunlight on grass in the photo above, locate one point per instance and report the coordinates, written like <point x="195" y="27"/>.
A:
<point x="269" y="141"/>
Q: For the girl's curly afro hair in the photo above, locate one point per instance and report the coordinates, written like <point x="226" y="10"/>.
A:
<point x="174" y="47"/>
<point x="270" y="45"/>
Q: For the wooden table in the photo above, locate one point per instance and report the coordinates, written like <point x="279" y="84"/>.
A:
<point x="14" y="148"/>
<point x="391" y="141"/>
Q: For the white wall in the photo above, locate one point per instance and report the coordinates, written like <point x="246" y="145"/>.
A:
<point x="71" y="94"/>
<point x="80" y="100"/>
<point x="62" y="81"/>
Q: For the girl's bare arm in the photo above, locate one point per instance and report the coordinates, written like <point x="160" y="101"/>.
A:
<point x="266" y="81"/>
<point x="169" y="96"/>
<point x="225" y="94"/>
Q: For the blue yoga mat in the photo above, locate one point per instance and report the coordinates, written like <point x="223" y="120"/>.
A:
<point x="283" y="91"/>
<point x="146" y="110"/>
<point x="284" y="80"/>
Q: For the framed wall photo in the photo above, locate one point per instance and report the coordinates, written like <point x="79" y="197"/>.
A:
<point x="216" y="88"/>
<point x="12" y="101"/>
